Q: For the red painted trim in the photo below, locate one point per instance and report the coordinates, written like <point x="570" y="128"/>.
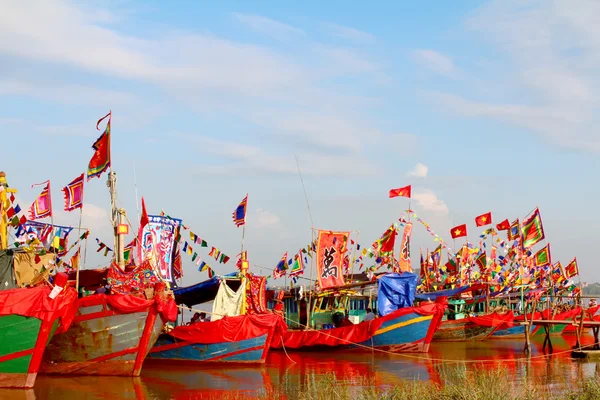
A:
<point x="235" y="353"/>
<point x="95" y="315"/>
<point x="18" y="354"/>
<point x="145" y="341"/>
<point x="40" y="346"/>
<point x="158" y="349"/>
<point x="113" y="355"/>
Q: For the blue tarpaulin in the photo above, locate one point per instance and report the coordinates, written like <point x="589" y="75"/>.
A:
<point x="396" y="291"/>
<point x="202" y="292"/>
<point x="447" y="293"/>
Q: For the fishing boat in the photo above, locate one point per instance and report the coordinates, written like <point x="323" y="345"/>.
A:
<point x="465" y="319"/>
<point x="399" y="328"/>
<point x="29" y="316"/>
<point x="111" y="334"/>
<point x="238" y="337"/>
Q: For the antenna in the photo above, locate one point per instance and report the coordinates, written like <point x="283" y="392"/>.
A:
<point x="137" y="207"/>
<point x="312" y="225"/>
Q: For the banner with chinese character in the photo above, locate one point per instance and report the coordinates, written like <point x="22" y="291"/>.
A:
<point x="158" y="244"/>
<point x="404" y="261"/>
<point x="331" y="247"/>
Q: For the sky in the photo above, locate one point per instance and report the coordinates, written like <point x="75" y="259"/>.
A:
<point x="479" y="105"/>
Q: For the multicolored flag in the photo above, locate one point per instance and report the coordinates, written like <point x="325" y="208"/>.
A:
<point x="239" y="215"/>
<point x="514" y="232"/>
<point x="572" y="269"/>
<point x="100" y="161"/>
<point x="73" y="194"/>
<point x="297" y="266"/>
<point x="542" y="257"/>
<point x="532" y="229"/>
<point x="459" y="231"/>
<point x="331" y="248"/>
<point x="484" y="219"/>
<point x="42" y="206"/>
<point x="387" y="241"/>
<point x="503" y="226"/>
<point x="401" y="192"/>
<point x="404" y="260"/>
<point x="281" y="267"/>
<point x="481" y="261"/>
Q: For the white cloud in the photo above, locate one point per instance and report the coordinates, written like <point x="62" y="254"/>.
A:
<point x="428" y="201"/>
<point x="275" y="29"/>
<point x="545" y="69"/>
<point x="436" y="62"/>
<point x="419" y="171"/>
<point x="266" y="218"/>
<point x="345" y="32"/>
<point x="250" y="159"/>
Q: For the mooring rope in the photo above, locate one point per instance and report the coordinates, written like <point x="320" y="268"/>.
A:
<point x="411" y="356"/>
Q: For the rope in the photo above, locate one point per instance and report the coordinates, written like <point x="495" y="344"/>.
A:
<point x="440" y="360"/>
<point x="411" y="356"/>
<point x="286" y="353"/>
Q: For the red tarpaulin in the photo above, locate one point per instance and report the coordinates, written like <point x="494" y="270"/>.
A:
<point x="126" y="304"/>
<point x="34" y="302"/>
<point x="547" y="314"/>
<point x="231" y="329"/>
<point x="530" y="317"/>
<point x="500" y="321"/>
<point x="353" y="333"/>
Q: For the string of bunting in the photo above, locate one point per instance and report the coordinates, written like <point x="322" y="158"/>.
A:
<point x="103" y="246"/>
<point x="187" y="248"/>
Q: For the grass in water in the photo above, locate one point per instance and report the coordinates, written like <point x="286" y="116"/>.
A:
<point x="460" y="384"/>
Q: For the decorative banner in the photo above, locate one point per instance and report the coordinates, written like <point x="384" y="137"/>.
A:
<point x="532" y="230"/>
<point x="404" y="260"/>
<point x="331" y="247"/>
<point x="572" y="269"/>
<point x="298" y="265"/>
<point x="42" y="206"/>
<point x="100" y="161"/>
<point x="73" y="194"/>
<point x="239" y="215"/>
<point x="158" y="244"/>
<point x="281" y="267"/>
<point x="543" y="257"/>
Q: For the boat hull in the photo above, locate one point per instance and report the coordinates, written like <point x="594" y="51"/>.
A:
<point x="404" y="334"/>
<point x="22" y="344"/>
<point x="253" y="350"/>
<point x="101" y="341"/>
<point x="462" y="331"/>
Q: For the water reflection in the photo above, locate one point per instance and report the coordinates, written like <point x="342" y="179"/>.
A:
<point x="300" y="371"/>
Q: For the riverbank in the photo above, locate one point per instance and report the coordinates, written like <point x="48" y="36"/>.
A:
<point x="460" y="384"/>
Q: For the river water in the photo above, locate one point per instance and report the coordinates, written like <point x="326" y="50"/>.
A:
<point x="292" y="372"/>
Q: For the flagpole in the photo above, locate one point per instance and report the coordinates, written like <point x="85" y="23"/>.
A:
<point x="79" y="232"/>
<point x="312" y="236"/>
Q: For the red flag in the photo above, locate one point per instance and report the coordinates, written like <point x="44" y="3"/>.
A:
<point x="484" y="219"/>
<point x="144" y="218"/>
<point x="389" y="241"/>
<point x="330" y="258"/>
<point x="459" y="231"/>
<point x="101" y="159"/>
<point x="402" y="192"/>
<point x="503" y="226"/>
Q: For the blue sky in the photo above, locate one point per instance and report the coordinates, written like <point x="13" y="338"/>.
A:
<point x="481" y="106"/>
